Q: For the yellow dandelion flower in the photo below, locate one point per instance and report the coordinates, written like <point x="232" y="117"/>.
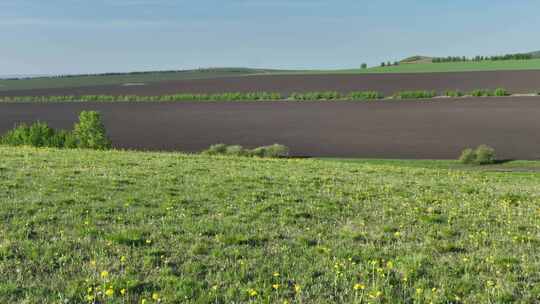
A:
<point x="148" y="241"/>
<point x="252" y="293"/>
<point x="123" y="291"/>
<point x="109" y="292"/>
<point x="419" y="290"/>
<point x="90" y="298"/>
<point x="275" y="286"/>
<point x="155" y="296"/>
<point x="276" y="274"/>
<point x="389" y="265"/>
<point x="104" y="274"/>
<point x="359" y="286"/>
<point x="143" y="301"/>
<point x="90" y="289"/>
<point x="297" y="288"/>
<point x="93" y="263"/>
<point x="123" y="259"/>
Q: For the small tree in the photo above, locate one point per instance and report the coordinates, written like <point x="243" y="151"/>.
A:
<point x="364" y="66"/>
<point x="90" y="132"/>
<point x="383" y="64"/>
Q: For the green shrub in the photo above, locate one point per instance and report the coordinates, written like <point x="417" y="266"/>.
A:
<point x="482" y="155"/>
<point x="467" y="156"/>
<point x="500" y="92"/>
<point x="216" y="149"/>
<point x="481" y="93"/>
<point x="455" y="93"/>
<point x="235" y="150"/>
<point x="38" y="134"/>
<point x="273" y="151"/>
<point x="364" y="95"/>
<point x="90" y="131"/>
<point x="415" y="94"/>
<point x="485" y="155"/>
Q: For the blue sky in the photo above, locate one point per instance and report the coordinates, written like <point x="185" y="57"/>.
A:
<point x="89" y="36"/>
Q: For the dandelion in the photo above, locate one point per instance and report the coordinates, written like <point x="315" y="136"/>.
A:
<point x="419" y="290"/>
<point x="155" y="296"/>
<point x="359" y="286"/>
<point x="297" y="288"/>
<point x="275" y="286"/>
<point x="252" y="293"/>
<point x="375" y="295"/>
<point x="93" y="263"/>
<point x="148" y="241"/>
<point x="109" y="292"/>
<point x="143" y="301"/>
<point x="276" y="274"/>
<point x="123" y="259"/>
<point x="90" y="298"/>
<point x="104" y="274"/>
<point x="389" y="265"/>
<point x="123" y="291"/>
<point x="490" y="283"/>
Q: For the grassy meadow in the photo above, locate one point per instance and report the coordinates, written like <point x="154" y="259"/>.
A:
<point x="468" y="66"/>
<point x="82" y="226"/>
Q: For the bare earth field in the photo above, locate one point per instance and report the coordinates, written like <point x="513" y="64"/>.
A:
<point x="513" y="81"/>
<point x="437" y="129"/>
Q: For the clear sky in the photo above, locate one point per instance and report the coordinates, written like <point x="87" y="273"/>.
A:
<point x="89" y="36"/>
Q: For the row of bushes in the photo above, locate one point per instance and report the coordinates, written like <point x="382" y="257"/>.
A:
<point x="253" y="96"/>
<point x="333" y="95"/>
<point x="88" y="133"/>
<point x="520" y="56"/>
<point x="273" y="151"/>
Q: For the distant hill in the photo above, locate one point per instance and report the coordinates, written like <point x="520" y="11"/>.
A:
<point x="427" y="59"/>
<point x="417" y="59"/>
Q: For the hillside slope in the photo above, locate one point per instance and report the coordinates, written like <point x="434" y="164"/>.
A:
<point x="120" y="227"/>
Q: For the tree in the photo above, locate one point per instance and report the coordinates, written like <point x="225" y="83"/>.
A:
<point x="90" y="132"/>
<point x="383" y="64"/>
<point x="364" y="66"/>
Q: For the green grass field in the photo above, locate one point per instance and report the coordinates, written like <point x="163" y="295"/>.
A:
<point x="134" y="227"/>
<point x="533" y="64"/>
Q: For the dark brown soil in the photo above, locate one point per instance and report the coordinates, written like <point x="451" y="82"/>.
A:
<point x="436" y="129"/>
<point x="513" y="81"/>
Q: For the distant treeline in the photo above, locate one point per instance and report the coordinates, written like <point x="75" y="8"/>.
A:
<point x="523" y="56"/>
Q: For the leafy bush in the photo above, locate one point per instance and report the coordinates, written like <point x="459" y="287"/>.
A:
<point x="415" y="94"/>
<point x="364" y="95"/>
<point x="311" y="96"/>
<point x="481" y="93"/>
<point x="273" y="151"/>
<point x="455" y="93"/>
<point x="235" y="150"/>
<point x="38" y="134"/>
<point x="216" y="149"/>
<point x="483" y="155"/>
<point x="467" y="156"/>
<point x="500" y="92"/>
<point x="90" y="131"/>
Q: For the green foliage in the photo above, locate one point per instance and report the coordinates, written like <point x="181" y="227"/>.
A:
<point x="415" y="94"/>
<point x="90" y="131"/>
<point x="500" y="92"/>
<point x="272" y="151"/>
<point x="38" y="134"/>
<point x="481" y="93"/>
<point x="364" y="95"/>
<point x="467" y="156"/>
<point x="363" y="66"/>
<point x="313" y="96"/>
<point x="455" y="93"/>
<point x="482" y="155"/>
<point x="216" y="149"/>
